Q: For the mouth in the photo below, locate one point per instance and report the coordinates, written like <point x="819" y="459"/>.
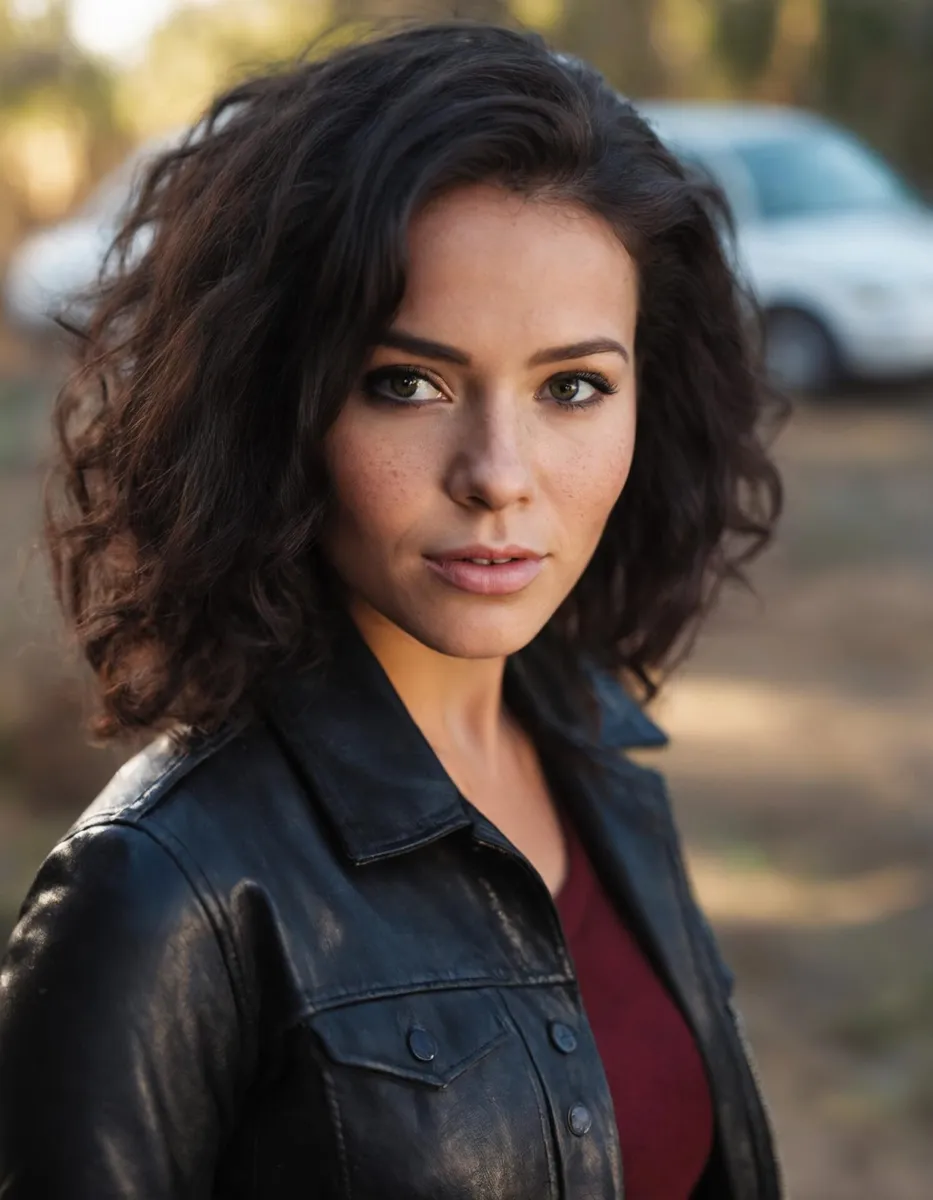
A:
<point x="487" y="570"/>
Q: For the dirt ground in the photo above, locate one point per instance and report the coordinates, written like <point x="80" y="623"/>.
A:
<point x="802" y="768"/>
<point x="801" y="765"/>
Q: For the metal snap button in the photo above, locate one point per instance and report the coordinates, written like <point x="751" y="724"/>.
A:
<point x="421" y="1044"/>
<point x="579" y="1119"/>
<point x="563" y="1037"/>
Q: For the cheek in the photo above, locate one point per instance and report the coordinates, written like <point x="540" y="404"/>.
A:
<point x="374" y="485"/>
<point x="593" y="474"/>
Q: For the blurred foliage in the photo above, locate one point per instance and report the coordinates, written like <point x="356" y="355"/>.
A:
<point x="57" y="121"/>
<point x="66" y="118"/>
<point x="199" y="50"/>
<point x="876" y="70"/>
<point x="743" y="37"/>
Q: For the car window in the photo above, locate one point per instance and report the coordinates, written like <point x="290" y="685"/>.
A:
<point x="723" y="170"/>
<point x="817" y="173"/>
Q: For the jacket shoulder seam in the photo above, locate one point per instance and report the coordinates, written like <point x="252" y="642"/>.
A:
<point x="176" y="852"/>
<point x="178" y="766"/>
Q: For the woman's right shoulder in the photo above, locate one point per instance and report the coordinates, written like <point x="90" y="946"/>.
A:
<point x="121" y="978"/>
<point x="169" y="771"/>
<point x="169" y="829"/>
<point x="197" y="799"/>
<point x="141" y="869"/>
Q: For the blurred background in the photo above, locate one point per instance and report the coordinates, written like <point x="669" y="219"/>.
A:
<point x="802" y="756"/>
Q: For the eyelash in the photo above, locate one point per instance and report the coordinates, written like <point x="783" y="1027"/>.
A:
<point x="595" y="378"/>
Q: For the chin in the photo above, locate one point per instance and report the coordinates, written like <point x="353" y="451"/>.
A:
<point x="493" y="633"/>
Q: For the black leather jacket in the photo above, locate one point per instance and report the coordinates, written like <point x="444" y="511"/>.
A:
<point x="293" y="962"/>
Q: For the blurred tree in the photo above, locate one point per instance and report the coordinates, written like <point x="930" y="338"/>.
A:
<point x="787" y="76"/>
<point x="65" y="117"/>
<point x="877" y="75"/>
<point x="200" y="49"/>
<point x="684" y="34"/>
<point x="476" y="10"/>
<point x="767" y="47"/>
<point x="58" y="128"/>
<point x="915" y="143"/>
<point x="539" y="14"/>
<point x="618" y="38"/>
<point x="743" y="37"/>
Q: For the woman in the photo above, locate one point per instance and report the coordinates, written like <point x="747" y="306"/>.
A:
<point x="414" y="414"/>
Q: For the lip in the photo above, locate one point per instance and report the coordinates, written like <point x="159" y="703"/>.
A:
<point x="481" y="550"/>
<point x="503" y="579"/>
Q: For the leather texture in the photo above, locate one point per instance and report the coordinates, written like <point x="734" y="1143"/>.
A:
<point x="292" y="961"/>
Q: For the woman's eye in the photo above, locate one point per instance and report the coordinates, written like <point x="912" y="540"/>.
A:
<point x="401" y="385"/>
<point x="579" y="390"/>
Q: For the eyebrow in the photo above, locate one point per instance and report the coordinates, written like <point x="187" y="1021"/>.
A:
<point x="397" y="339"/>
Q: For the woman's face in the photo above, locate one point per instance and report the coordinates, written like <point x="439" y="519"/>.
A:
<point x="496" y="419"/>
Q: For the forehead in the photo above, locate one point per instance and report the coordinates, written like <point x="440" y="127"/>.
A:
<point x="484" y="258"/>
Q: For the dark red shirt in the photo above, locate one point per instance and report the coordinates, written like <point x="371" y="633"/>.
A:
<point x="655" y="1073"/>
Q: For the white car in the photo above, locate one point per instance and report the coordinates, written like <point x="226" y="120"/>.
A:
<point x="834" y="245"/>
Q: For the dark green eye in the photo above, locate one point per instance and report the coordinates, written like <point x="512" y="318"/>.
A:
<point x="578" y="389"/>
<point x="400" y="385"/>
<point x="564" y="388"/>
<point x="403" y="386"/>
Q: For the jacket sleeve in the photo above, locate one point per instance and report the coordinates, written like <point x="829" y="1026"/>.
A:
<point x="119" y="1029"/>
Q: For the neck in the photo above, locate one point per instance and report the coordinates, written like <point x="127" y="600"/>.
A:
<point x="456" y="702"/>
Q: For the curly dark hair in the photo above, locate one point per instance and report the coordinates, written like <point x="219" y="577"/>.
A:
<point x="261" y="258"/>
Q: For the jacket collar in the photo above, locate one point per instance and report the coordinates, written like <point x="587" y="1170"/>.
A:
<point x="382" y="786"/>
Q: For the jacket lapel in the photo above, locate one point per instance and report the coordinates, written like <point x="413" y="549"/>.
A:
<point x="625" y="820"/>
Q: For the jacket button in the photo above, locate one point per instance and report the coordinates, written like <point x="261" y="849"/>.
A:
<point x="421" y="1044"/>
<point x="562" y="1037"/>
<point x="579" y="1119"/>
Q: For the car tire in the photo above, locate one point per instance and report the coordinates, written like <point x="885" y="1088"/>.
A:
<point x="799" y="352"/>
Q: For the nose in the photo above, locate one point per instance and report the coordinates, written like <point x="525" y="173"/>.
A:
<point x="491" y="465"/>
